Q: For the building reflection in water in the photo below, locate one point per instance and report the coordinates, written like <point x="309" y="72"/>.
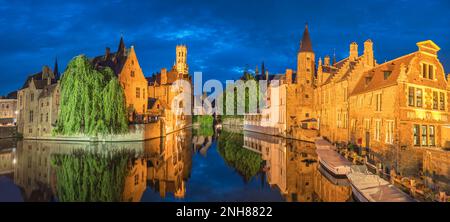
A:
<point x="292" y="167"/>
<point x="289" y="167"/>
<point x="169" y="163"/>
<point x="36" y="177"/>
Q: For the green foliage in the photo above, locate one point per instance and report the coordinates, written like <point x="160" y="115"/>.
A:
<point x="86" y="176"/>
<point x="203" y="120"/>
<point x="206" y="125"/>
<point x="246" y="102"/>
<point x="92" y="101"/>
<point x="246" y="162"/>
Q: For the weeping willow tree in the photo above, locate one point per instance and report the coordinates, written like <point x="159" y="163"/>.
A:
<point x="246" y="162"/>
<point x="92" y="176"/>
<point x="92" y="101"/>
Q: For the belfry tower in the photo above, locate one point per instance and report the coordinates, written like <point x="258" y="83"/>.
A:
<point x="305" y="60"/>
<point x="181" y="60"/>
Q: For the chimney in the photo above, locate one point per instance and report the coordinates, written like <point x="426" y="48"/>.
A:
<point x="326" y="60"/>
<point x="289" y="76"/>
<point x="368" y="53"/>
<point x="353" y="51"/>
<point x="163" y="76"/>
<point x="107" y="52"/>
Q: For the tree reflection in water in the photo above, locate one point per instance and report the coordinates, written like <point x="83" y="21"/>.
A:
<point x="92" y="175"/>
<point x="247" y="163"/>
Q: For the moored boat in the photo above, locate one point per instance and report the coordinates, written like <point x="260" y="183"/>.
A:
<point x="368" y="187"/>
<point x="331" y="160"/>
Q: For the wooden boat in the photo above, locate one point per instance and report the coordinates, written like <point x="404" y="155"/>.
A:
<point x="322" y="143"/>
<point x="368" y="187"/>
<point x="333" y="179"/>
<point x="331" y="160"/>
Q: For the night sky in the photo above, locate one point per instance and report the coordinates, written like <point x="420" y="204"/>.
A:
<point x="222" y="36"/>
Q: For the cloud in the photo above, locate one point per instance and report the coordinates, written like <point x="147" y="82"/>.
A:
<point x="220" y="35"/>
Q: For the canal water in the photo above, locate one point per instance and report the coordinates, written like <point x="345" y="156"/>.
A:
<point x="189" y="165"/>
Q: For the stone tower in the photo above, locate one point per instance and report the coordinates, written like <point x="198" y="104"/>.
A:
<point x="181" y="60"/>
<point x="305" y="60"/>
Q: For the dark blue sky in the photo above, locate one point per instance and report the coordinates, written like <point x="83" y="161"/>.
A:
<point x="222" y="36"/>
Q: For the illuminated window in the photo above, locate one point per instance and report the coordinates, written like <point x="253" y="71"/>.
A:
<point x="136" y="179"/>
<point x="390" y="132"/>
<point x="435" y="100"/>
<point x="377" y="130"/>
<point x="442" y="101"/>
<point x="427" y="71"/>
<point x="353" y="125"/>
<point x="411" y="101"/>
<point x="424" y="135"/>
<point x="430" y="71"/>
<point x="416" y="129"/>
<point x="419" y="97"/>
<point x="432" y="136"/>
<point x="367" y="124"/>
<point x="424" y="70"/>
<point x="138" y="92"/>
<point x="378" y="108"/>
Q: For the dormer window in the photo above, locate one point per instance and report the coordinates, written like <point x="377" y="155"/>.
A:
<point x="368" y="79"/>
<point x="132" y="74"/>
<point x="387" y="74"/>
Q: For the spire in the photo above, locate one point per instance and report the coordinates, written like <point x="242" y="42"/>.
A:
<point x="121" y="45"/>
<point x="55" y="69"/>
<point x="305" y="44"/>
<point x="263" y="69"/>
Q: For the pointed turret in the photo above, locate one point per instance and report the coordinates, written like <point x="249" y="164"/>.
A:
<point x="305" y="60"/>
<point x="305" y="44"/>
<point x="55" y="69"/>
<point x="121" y="47"/>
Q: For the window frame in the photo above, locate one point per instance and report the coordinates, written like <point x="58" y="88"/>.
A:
<point x="416" y="135"/>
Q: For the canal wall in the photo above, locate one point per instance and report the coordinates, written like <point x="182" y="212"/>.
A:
<point x="137" y="132"/>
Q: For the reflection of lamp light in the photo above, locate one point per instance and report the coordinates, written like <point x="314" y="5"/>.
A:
<point x="14" y="161"/>
<point x="16" y="112"/>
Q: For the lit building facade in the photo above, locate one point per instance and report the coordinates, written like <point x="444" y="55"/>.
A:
<point x="161" y="97"/>
<point x="38" y="104"/>
<point x="400" y="103"/>
<point x="125" y="65"/>
<point x="8" y="110"/>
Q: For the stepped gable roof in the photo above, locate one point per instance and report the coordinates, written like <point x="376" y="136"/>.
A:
<point x="155" y="79"/>
<point x="374" y="79"/>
